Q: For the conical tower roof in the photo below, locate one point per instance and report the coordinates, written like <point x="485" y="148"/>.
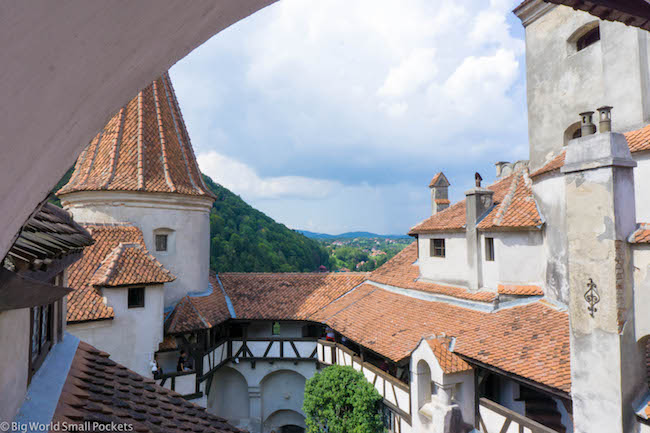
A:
<point x="144" y="147"/>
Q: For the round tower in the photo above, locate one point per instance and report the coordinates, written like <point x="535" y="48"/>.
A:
<point x="141" y="169"/>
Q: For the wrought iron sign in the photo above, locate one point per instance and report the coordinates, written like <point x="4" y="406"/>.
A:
<point x="592" y="297"/>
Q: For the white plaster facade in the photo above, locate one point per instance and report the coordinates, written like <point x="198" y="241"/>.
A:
<point x="186" y="220"/>
<point x="133" y="336"/>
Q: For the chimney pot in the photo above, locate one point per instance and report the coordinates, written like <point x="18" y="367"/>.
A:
<point x="587" y="126"/>
<point x="605" y="119"/>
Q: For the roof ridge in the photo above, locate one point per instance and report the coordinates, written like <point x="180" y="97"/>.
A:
<point x="116" y="144"/>
<point x="140" y="164"/>
<point x="163" y="143"/>
<point x="507" y="200"/>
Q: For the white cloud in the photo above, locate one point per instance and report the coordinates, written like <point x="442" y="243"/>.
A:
<point x="244" y="180"/>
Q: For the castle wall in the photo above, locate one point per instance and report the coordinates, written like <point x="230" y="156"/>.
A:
<point x="562" y="82"/>
<point x="14" y="339"/>
<point x="185" y="219"/>
<point x="133" y="335"/>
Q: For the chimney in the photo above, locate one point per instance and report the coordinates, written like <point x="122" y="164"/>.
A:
<point x="605" y="121"/>
<point x="478" y="201"/>
<point x="587" y="126"/>
<point x="439" y="193"/>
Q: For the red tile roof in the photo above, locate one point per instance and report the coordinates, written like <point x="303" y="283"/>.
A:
<point x="99" y="390"/>
<point x="641" y="235"/>
<point x="128" y="264"/>
<point x="514" y="208"/>
<point x="449" y="362"/>
<point x="85" y="302"/>
<point x="553" y="165"/>
<point x="144" y="147"/>
<point x="391" y="324"/>
<point x="440" y="179"/>
<point x="401" y="271"/>
<point x="261" y="296"/>
<point x="520" y="290"/>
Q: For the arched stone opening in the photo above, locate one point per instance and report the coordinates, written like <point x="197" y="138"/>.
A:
<point x="424" y="383"/>
<point x="284" y="421"/>
<point x="282" y="390"/>
<point x="228" y="396"/>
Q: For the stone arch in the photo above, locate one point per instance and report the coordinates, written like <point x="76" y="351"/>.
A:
<point x="282" y="390"/>
<point x="284" y="421"/>
<point x="424" y="383"/>
<point x="580" y="33"/>
<point x="573" y="131"/>
<point x="228" y="396"/>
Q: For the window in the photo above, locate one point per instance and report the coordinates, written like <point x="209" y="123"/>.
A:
<point x="388" y="417"/>
<point x="161" y="242"/>
<point x="589" y="38"/>
<point x="41" y="335"/>
<point x="275" y="328"/>
<point x="489" y="249"/>
<point x="136" y="297"/>
<point x="437" y="247"/>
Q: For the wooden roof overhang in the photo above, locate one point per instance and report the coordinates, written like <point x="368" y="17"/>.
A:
<point x="634" y="13"/>
<point x="18" y="292"/>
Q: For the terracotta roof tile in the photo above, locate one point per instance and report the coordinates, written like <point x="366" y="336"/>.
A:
<point x="391" y="324"/>
<point x="130" y="263"/>
<point x="401" y="271"/>
<point x="520" y="290"/>
<point x="144" y="147"/>
<point x="85" y="302"/>
<point x="641" y="235"/>
<point x="514" y="207"/>
<point x="449" y="362"/>
<point x="99" y="390"/>
<point x="553" y="165"/>
<point x="439" y="180"/>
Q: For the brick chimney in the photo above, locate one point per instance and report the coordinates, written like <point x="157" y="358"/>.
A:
<point x="439" y="193"/>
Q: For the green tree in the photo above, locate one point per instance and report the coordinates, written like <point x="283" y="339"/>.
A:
<point x="341" y="400"/>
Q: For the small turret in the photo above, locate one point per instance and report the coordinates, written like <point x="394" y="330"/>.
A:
<point x="439" y="193"/>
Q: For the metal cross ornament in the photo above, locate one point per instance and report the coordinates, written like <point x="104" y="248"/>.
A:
<point x="592" y="297"/>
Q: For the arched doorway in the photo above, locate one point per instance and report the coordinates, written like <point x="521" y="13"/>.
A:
<point x="284" y="421"/>
<point x="228" y="396"/>
<point x="282" y="391"/>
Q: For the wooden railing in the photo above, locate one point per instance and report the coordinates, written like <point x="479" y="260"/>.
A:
<point x="494" y="418"/>
<point x="396" y="394"/>
<point x="182" y="382"/>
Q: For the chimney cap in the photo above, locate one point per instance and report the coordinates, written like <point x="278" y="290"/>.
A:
<point x="439" y="180"/>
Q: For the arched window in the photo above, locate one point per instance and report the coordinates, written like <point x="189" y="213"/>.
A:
<point x="424" y="383"/>
<point x="572" y="132"/>
<point x="584" y="37"/>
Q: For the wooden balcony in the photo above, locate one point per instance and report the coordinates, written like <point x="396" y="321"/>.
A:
<point x="494" y="418"/>
<point x="182" y="382"/>
<point x="396" y="394"/>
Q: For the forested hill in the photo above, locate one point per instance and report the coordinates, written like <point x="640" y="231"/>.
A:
<point x="243" y="239"/>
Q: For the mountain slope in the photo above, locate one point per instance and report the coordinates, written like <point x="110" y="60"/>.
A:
<point x="243" y="239"/>
<point x="349" y="235"/>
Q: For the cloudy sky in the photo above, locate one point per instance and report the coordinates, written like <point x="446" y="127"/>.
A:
<point x="333" y="115"/>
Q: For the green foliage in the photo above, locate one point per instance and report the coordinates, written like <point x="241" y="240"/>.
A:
<point x="66" y="177"/>
<point x="243" y="239"/>
<point x="340" y="400"/>
<point x="362" y="254"/>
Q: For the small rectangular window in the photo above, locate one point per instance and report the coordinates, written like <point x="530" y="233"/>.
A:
<point x="489" y="249"/>
<point x="161" y="242"/>
<point x="41" y="335"/>
<point x="275" y="329"/>
<point x="136" y="297"/>
<point x="437" y="248"/>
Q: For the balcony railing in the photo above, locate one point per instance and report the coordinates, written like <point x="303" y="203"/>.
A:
<point x="396" y="394"/>
<point x="494" y="418"/>
<point x="182" y="382"/>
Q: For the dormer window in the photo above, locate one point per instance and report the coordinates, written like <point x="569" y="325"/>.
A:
<point x="589" y="38"/>
<point x="161" y="242"/>
<point x="437" y="248"/>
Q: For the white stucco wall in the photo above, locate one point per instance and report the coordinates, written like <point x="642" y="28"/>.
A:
<point x="188" y="255"/>
<point x="641" y="187"/>
<point x="562" y="83"/>
<point x="228" y="396"/>
<point x="133" y="335"/>
<point x="549" y="191"/>
<point x="641" y="263"/>
<point x="463" y="384"/>
<point x="14" y="358"/>
<point x="287" y="330"/>
<point x="282" y="390"/>
<point x="451" y="269"/>
<point x="519" y="258"/>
